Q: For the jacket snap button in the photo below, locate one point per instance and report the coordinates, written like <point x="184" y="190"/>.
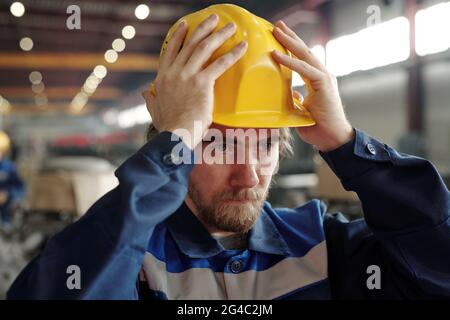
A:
<point x="236" y="266"/>
<point x="371" y="149"/>
<point x="170" y="159"/>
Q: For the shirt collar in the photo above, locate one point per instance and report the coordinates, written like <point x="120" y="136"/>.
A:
<point x="194" y="240"/>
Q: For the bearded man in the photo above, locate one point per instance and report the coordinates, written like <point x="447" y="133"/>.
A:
<point x="194" y="224"/>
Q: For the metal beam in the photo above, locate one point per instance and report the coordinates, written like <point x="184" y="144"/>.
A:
<point x="60" y="93"/>
<point x="48" y="109"/>
<point x="127" y="62"/>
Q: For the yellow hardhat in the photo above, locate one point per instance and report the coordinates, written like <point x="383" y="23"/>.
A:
<point x="255" y="92"/>
<point x="5" y="143"/>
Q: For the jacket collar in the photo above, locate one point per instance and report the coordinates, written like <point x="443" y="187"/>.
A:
<point x="194" y="240"/>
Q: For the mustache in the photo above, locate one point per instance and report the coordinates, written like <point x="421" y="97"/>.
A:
<point x="244" y="194"/>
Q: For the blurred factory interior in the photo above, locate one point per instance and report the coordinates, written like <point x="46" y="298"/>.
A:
<point x="72" y="73"/>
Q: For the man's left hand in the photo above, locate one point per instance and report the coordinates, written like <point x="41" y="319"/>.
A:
<point x="332" y="129"/>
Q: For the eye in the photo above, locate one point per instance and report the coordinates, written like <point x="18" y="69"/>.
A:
<point x="222" y="147"/>
<point x="267" y="145"/>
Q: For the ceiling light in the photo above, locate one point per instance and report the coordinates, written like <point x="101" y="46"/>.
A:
<point x="35" y="77"/>
<point x="79" y="101"/>
<point x="5" y="107"/>
<point x="118" y="45"/>
<point x="431" y="26"/>
<point x="100" y="71"/>
<point x="128" y="32"/>
<point x="38" y="87"/>
<point x="111" y="56"/>
<point x="142" y="11"/>
<point x="89" y="89"/>
<point x="361" y="50"/>
<point x="91" y="85"/>
<point x="17" y="9"/>
<point x="93" y="81"/>
<point x="26" y="44"/>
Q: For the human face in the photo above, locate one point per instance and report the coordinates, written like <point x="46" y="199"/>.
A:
<point x="229" y="196"/>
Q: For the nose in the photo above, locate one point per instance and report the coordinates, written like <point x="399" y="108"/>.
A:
<point x="244" y="176"/>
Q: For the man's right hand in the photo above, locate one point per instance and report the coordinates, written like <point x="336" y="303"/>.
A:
<point x="184" y="88"/>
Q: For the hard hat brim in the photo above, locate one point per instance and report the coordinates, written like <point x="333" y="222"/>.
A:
<point x="264" y="120"/>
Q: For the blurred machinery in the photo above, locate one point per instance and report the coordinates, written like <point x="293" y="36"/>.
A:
<point x="330" y="190"/>
<point x="59" y="193"/>
<point x="69" y="184"/>
<point x="306" y="176"/>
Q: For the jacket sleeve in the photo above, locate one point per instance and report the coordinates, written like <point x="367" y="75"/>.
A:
<point x="108" y="243"/>
<point x="406" y="226"/>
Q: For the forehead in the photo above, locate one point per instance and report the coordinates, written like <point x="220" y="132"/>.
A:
<point x="260" y="132"/>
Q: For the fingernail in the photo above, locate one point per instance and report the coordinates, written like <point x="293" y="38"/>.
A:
<point x="230" y="25"/>
<point x="242" y="44"/>
<point x="282" y="23"/>
<point x="213" y="17"/>
<point x="182" y="24"/>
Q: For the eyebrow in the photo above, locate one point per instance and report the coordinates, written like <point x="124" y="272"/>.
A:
<point x="235" y="140"/>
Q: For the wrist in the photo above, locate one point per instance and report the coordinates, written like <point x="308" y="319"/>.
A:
<point x="190" y="135"/>
<point x="342" y="136"/>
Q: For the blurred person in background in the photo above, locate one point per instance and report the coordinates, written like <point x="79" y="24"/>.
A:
<point x="12" y="188"/>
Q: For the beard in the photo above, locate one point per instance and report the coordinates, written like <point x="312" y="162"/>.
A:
<point x="226" y="215"/>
